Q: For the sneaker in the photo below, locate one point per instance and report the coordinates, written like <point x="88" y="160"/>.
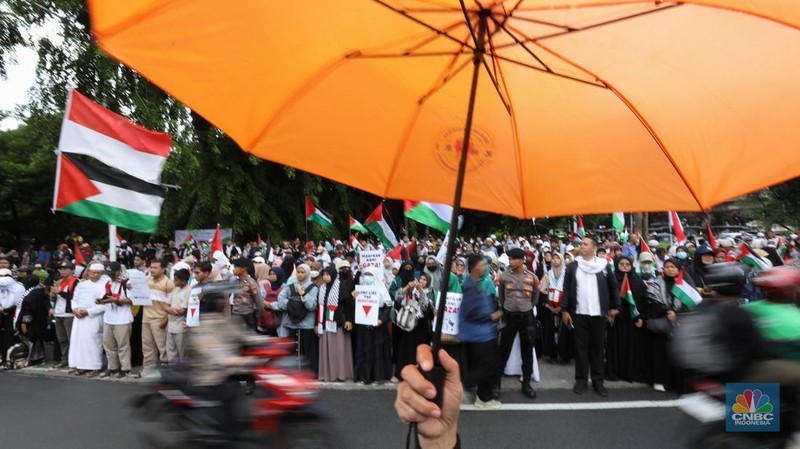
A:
<point x="492" y="404"/>
<point x="106" y="374"/>
<point x="136" y="375"/>
<point x="122" y="374"/>
<point x="659" y="387"/>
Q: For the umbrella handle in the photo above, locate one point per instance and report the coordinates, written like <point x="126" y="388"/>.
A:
<point x="436" y="376"/>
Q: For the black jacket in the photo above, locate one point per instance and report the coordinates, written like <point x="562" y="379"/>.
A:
<point x="607" y="289"/>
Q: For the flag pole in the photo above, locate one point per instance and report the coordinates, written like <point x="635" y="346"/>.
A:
<point x="112" y="243"/>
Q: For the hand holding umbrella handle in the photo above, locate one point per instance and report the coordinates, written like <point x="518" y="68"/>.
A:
<point x="436" y="376"/>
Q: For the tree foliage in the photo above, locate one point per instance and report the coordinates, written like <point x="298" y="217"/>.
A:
<point x="214" y="181"/>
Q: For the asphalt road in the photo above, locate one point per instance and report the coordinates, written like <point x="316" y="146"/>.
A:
<point x="41" y="412"/>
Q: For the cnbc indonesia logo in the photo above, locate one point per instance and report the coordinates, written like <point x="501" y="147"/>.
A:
<point x="753" y="408"/>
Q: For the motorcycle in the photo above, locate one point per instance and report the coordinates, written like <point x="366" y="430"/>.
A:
<point x="269" y="403"/>
<point x="707" y="408"/>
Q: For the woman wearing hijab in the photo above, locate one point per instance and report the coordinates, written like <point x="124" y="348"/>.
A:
<point x="287" y="266"/>
<point x="33" y="318"/>
<point x="271" y="319"/>
<point x="662" y="312"/>
<point x="703" y="258"/>
<point x="405" y="276"/>
<point x="626" y="333"/>
<point x="720" y="255"/>
<point x="335" y="350"/>
<point x="292" y="300"/>
<point x="552" y="285"/>
<point x="418" y="296"/>
<point x="373" y="349"/>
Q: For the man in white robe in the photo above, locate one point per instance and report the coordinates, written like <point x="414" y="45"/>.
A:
<point x="86" y="340"/>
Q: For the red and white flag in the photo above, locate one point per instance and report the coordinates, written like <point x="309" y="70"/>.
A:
<point x="93" y="130"/>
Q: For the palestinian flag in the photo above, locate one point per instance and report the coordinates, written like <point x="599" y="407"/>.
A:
<point x="79" y="259"/>
<point x="261" y="244"/>
<point x="92" y="130"/>
<point x="317" y="215"/>
<point x="216" y="243"/>
<point x="397" y="253"/>
<point x="686" y="293"/>
<point x="711" y="239"/>
<point x="188" y="241"/>
<point x="354" y="245"/>
<point x="581" y="229"/>
<point x="106" y="195"/>
<point x="119" y="239"/>
<point x="644" y="248"/>
<point x="675" y="222"/>
<point x="356" y="225"/>
<point x="437" y="216"/>
<point x="748" y="257"/>
<point x="626" y="294"/>
<point x="618" y="221"/>
<point x="378" y="225"/>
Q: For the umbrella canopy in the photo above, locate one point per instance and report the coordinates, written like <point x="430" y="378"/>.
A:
<point x="582" y="106"/>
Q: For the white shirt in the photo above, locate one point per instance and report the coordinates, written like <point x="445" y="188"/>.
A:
<point x="117" y="314"/>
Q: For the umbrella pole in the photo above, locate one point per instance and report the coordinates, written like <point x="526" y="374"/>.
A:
<point x="437" y="335"/>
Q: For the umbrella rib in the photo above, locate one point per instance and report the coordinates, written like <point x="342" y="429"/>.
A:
<point x="515" y="131"/>
<point x="544" y="22"/>
<point x="430" y="39"/>
<point x="638" y="116"/>
<point x="519" y="41"/>
<point x="418" y="21"/>
<point x="539" y="69"/>
<point x="610" y="22"/>
<point x="493" y="75"/>
<point x="408" y="55"/>
<point x="596" y="25"/>
<point x="469" y="23"/>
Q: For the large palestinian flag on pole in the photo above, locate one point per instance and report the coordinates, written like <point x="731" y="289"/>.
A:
<point x="109" y="168"/>
<point x="92" y="130"/>
<point x="106" y="195"/>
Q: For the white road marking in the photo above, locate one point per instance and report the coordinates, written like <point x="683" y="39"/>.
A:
<point x="579" y="406"/>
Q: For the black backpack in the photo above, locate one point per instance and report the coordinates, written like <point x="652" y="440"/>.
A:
<point x="295" y="308"/>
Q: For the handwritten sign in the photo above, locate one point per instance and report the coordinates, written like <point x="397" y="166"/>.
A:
<point x="367" y="305"/>
<point x="451" y="307"/>
<point x="138" y="291"/>
<point x="193" y="308"/>
<point x="371" y="259"/>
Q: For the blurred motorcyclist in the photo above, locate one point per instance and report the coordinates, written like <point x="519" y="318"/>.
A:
<point x="214" y="350"/>
<point x="757" y="342"/>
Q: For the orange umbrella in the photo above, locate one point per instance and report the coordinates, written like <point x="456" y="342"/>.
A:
<point x="583" y="106"/>
<point x="686" y="104"/>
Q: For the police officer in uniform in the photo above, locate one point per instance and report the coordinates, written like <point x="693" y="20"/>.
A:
<point x="518" y="291"/>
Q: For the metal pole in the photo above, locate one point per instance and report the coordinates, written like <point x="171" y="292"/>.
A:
<point x="112" y="243"/>
<point x="462" y="167"/>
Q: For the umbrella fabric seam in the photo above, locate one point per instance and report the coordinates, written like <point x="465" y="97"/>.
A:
<point x="638" y="115"/>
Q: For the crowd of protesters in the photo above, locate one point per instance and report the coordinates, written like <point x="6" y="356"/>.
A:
<point x="523" y="299"/>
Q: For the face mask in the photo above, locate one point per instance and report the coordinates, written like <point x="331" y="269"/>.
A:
<point x="647" y="268"/>
<point x="314" y="274"/>
<point x="432" y="268"/>
<point x="369" y="280"/>
<point x="681" y="255"/>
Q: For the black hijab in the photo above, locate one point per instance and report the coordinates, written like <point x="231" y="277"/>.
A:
<point x="406" y="275"/>
<point x="288" y="265"/>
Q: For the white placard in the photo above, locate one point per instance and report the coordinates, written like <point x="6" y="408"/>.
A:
<point x="138" y="291"/>
<point x="367" y="305"/>
<point x="370" y="259"/>
<point x="193" y="308"/>
<point x="451" y="308"/>
<point x="84" y="296"/>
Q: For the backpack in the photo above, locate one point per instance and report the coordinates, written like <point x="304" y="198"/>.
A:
<point x="698" y="343"/>
<point x="295" y="308"/>
<point x="17" y="356"/>
<point x="406" y="317"/>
